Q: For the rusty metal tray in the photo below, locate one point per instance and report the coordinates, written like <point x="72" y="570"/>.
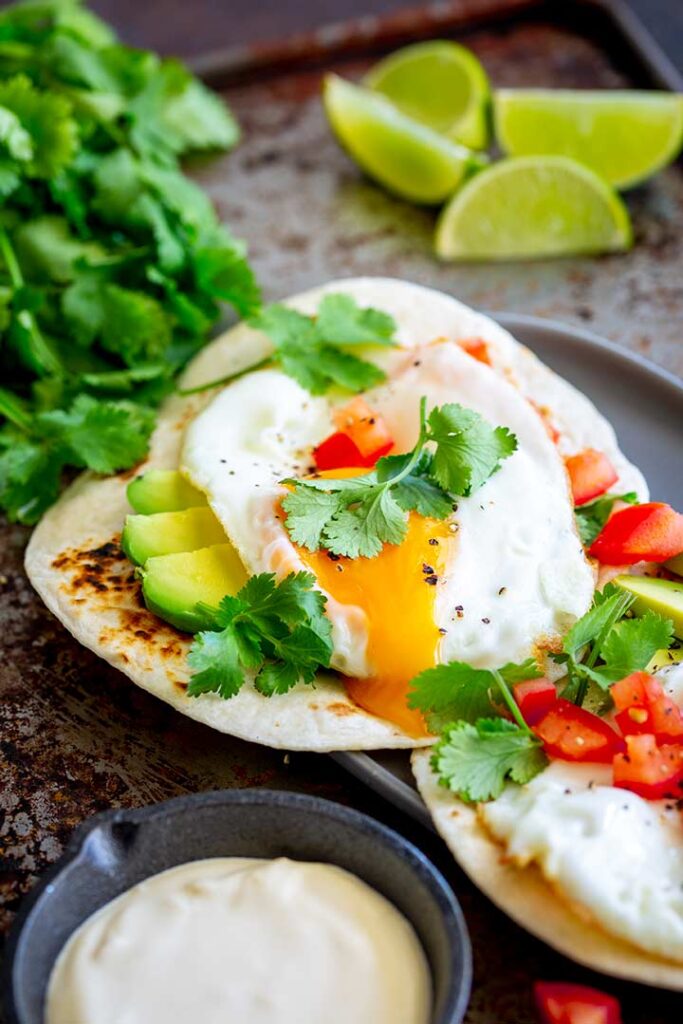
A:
<point x="75" y="736"/>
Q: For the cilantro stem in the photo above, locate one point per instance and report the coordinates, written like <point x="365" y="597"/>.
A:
<point x="417" y="450"/>
<point x="510" y="701"/>
<point x="225" y="380"/>
<point x="41" y="353"/>
<point x="620" y="610"/>
<point x="13" y="409"/>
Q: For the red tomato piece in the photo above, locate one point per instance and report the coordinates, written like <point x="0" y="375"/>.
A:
<point x="650" y="770"/>
<point x="535" y="697"/>
<point x="337" y="452"/>
<point x="591" y="474"/>
<point x="644" y="707"/>
<point x="477" y="348"/>
<point x="652" y="532"/>
<point x="561" y="1002"/>
<point x="365" y="428"/>
<point x="571" y="733"/>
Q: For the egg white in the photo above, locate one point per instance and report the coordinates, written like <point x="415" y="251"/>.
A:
<point x="518" y="576"/>
<point x="615" y="856"/>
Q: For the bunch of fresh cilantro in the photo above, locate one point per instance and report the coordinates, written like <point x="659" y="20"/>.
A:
<point x="112" y="262"/>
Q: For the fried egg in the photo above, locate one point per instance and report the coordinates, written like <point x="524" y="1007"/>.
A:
<point x="502" y="579"/>
<point x="616" y="857"/>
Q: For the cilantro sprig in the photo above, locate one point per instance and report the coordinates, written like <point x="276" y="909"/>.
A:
<point x="113" y="264"/>
<point x="315" y="350"/>
<point x="479" y="749"/>
<point x="277" y="632"/>
<point x="356" y="516"/>
<point x="604" y="646"/>
<point x="591" y="518"/>
<point x="477" y="753"/>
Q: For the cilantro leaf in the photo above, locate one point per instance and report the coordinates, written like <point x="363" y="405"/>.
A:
<point x="342" y="322"/>
<point x="457" y="691"/>
<point x="278" y="631"/>
<point x="451" y="692"/>
<point x="476" y="760"/>
<point x="29" y="477"/>
<point x="607" y="608"/>
<point x="358" y="515"/>
<point x="103" y="436"/>
<point x="591" y="518"/>
<point x="468" y="449"/>
<point x="631" y="644"/>
<point x="312" y="349"/>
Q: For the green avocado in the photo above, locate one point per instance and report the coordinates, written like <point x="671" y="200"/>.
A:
<point x="675" y="564"/>
<point x="662" y="596"/>
<point x="167" y="532"/>
<point x="664" y="658"/>
<point x="163" y="490"/>
<point x="173" y="585"/>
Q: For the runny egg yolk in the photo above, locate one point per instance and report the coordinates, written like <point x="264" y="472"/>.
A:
<point x="396" y="589"/>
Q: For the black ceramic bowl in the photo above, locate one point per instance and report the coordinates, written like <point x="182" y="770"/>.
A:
<point x="115" y="850"/>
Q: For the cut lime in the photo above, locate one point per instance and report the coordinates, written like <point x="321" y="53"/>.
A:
<point x="624" y="136"/>
<point x="530" y="207"/>
<point x="439" y="83"/>
<point x="406" y="157"/>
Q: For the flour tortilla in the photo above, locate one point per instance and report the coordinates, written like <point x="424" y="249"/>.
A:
<point x="525" y="895"/>
<point x="75" y="563"/>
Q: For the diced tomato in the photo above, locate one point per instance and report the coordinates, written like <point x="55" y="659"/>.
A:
<point x="652" y="771"/>
<point x="366" y="428"/>
<point x="535" y="697"/>
<point x="591" y="474"/>
<point x="361" y="439"/>
<point x="571" y="733"/>
<point x="477" y="348"/>
<point x="560" y="1002"/>
<point x="651" y="532"/>
<point x="644" y="707"/>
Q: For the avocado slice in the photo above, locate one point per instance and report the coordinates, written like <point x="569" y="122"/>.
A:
<point x="173" y="585"/>
<point x="163" y="490"/>
<point x="167" y="532"/>
<point x="662" y="596"/>
<point x="675" y="564"/>
<point x="663" y="658"/>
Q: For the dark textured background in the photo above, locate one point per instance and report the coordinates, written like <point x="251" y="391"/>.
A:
<point x="75" y="736"/>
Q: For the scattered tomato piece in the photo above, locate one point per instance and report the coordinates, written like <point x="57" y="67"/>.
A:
<point x="560" y="1002"/>
<point x="477" y="348"/>
<point x="361" y="439"/>
<point x="571" y="733"/>
<point x="648" y="769"/>
<point x="591" y="474"/>
<point x="644" y="707"/>
<point x="535" y="697"/>
<point x="337" y="452"/>
<point x="366" y="428"/>
<point x="651" y="532"/>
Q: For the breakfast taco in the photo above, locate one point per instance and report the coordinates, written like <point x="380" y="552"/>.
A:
<point x="358" y="484"/>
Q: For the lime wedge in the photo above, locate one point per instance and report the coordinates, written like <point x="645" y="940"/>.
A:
<point x="441" y="84"/>
<point x="406" y="157"/>
<point x="531" y="207"/>
<point x="624" y="136"/>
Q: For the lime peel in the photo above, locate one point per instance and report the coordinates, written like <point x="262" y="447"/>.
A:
<point x="439" y="83"/>
<point x="406" y="157"/>
<point x="625" y="136"/>
<point x="533" y="207"/>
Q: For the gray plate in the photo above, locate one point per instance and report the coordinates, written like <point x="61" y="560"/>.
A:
<point x="645" y="406"/>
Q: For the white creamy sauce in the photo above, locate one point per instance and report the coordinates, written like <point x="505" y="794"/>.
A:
<point x="618" y="856"/>
<point x="249" y="941"/>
